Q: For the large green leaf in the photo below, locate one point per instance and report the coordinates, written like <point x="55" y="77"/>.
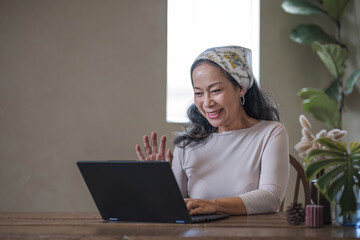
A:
<point x="334" y="188"/>
<point x="333" y="56"/>
<point x="355" y="153"/>
<point x="357" y="176"/>
<point x="323" y="181"/>
<point x="315" y="167"/>
<point x="344" y="185"/>
<point x="355" y="147"/>
<point x="347" y="198"/>
<point x="335" y="8"/>
<point x="334" y="146"/>
<point x="323" y="153"/>
<point x="306" y="93"/>
<point x="341" y="177"/>
<point x="301" y="8"/>
<point x="333" y="90"/>
<point x="308" y="33"/>
<point x="320" y="106"/>
<point x="350" y="83"/>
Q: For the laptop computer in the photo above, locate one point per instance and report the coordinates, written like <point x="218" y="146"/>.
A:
<point x="137" y="191"/>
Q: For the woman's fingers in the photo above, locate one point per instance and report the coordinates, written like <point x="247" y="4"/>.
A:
<point x="161" y="153"/>
<point x="154" y="142"/>
<point x="200" y="206"/>
<point x="147" y="145"/>
<point x="139" y="153"/>
<point x="195" y="208"/>
<point x="152" y="152"/>
<point x="197" y="211"/>
<point x="169" y="156"/>
<point x="191" y="203"/>
<point x="192" y="206"/>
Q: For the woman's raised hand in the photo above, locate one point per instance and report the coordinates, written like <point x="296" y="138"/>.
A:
<point x="152" y="153"/>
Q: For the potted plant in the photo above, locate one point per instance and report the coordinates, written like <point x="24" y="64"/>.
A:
<point x="327" y="104"/>
<point x="326" y="152"/>
<point x="340" y="184"/>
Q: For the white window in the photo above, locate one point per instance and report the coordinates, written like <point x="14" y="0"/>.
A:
<point x="195" y="25"/>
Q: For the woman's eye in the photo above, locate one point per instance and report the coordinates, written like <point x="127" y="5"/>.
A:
<point x="215" y="91"/>
<point x="198" y="93"/>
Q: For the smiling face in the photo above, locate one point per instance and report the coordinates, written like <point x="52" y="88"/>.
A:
<point x="216" y="98"/>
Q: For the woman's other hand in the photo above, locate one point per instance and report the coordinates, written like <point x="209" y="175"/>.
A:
<point x="201" y="206"/>
<point x="231" y="205"/>
<point x="152" y="153"/>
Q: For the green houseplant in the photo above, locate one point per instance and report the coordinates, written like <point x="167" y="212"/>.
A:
<point x="326" y="104"/>
<point x="326" y="157"/>
<point x="340" y="183"/>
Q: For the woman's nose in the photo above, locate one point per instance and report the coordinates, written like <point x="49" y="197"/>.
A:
<point x="208" y="101"/>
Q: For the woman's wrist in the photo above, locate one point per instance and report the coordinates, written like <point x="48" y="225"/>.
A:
<point x="232" y="206"/>
<point x="218" y="205"/>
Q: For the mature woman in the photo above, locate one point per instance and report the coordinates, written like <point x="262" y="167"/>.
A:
<point x="233" y="156"/>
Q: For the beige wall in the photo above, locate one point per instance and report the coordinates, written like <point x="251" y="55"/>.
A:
<point x="86" y="79"/>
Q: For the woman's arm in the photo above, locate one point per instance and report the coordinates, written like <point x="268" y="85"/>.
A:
<point x="232" y="206"/>
<point x="274" y="175"/>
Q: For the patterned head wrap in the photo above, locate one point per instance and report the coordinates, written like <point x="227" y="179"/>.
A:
<point x="234" y="60"/>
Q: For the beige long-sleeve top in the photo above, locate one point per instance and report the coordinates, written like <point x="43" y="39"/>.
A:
<point x="251" y="163"/>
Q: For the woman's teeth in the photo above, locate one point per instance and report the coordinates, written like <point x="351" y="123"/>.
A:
<point x="214" y="113"/>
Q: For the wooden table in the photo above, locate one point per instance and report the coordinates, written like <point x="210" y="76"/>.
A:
<point x="91" y="226"/>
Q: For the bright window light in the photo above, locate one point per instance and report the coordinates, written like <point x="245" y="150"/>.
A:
<point x="195" y="25"/>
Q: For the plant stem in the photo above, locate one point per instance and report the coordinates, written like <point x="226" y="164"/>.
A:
<point x="341" y="95"/>
<point x="338" y="31"/>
